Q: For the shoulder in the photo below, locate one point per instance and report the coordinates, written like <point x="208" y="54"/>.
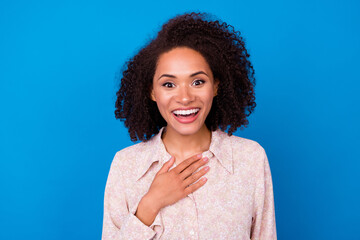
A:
<point x="238" y="153"/>
<point x="240" y="145"/>
<point x="246" y="146"/>
<point x="133" y="149"/>
<point x="130" y="156"/>
<point x="128" y="161"/>
<point x="246" y="154"/>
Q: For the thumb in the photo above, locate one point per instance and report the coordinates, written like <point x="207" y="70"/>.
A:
<point x="166" y="166"/>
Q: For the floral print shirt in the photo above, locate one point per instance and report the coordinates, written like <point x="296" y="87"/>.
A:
<point x="236" y="202"/>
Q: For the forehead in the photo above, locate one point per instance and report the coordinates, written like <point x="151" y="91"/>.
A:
<point x="181" y="60"/>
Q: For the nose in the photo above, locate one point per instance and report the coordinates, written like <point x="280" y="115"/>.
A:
<point x="185" y="95"/>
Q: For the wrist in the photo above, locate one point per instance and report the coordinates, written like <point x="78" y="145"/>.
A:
<point x="146" y="211"/>
<point x="151" y="203"/>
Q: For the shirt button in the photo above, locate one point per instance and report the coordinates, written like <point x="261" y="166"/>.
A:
<point x="192" y="232"/>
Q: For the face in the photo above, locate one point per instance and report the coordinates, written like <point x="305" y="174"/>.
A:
<point x="183" y="88"/>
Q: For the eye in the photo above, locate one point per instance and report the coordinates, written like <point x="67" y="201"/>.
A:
<point x="198" y="82"/>
<point x="168" y="85"/>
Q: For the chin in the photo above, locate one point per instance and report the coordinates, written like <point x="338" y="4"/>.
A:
<point x="187" y="130"/>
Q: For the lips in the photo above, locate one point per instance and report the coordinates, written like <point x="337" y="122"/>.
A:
<point x="186" y="112"/>
<point x="186" y="115"/>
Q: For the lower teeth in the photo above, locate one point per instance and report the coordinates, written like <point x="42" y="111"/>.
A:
<point x="185" y="115"/>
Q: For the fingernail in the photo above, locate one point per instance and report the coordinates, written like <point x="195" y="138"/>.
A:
<point x="205" y="159"/>
<point x="204" y="179"/>
<point x="199" y="155"/>
<point x="207" y="168"/>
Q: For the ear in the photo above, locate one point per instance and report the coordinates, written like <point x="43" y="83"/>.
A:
<point x="152" y="95"/>
<point x="216" y="86"/>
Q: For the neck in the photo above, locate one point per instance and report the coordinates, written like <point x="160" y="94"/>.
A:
<point x="185" y="146"/>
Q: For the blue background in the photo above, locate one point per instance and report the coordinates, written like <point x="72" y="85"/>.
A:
<point x="58" y="62"/>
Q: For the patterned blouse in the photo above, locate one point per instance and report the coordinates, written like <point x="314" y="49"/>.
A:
<point x="236" y="202"/>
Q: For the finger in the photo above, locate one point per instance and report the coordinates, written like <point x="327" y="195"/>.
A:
<point x="193" y="167"/>
<point x="195" y="186"/>
<point x="166" y="166"/>
<point x="194" y="177"/>
<point x="178" y="169"/>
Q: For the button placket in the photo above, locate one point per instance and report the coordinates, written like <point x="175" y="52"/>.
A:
<point x="193" y="232"/>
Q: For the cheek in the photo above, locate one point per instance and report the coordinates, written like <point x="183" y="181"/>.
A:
<point x="162" y="100"/>
<point x="208" y="97"/>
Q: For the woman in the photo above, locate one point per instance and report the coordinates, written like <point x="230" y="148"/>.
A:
<point x="188" y="179"/>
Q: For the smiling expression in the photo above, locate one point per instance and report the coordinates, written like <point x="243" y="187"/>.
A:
<point x="183" y="88"/>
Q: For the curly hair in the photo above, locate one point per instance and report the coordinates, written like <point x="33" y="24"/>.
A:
<point x="224" y="50"/>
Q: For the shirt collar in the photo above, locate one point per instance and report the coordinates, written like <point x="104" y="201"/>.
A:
<point x="221" y="147"/>
<point x="155" y="151"/>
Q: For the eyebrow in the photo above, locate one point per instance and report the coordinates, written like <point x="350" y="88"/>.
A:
<point x="192" y="75"/>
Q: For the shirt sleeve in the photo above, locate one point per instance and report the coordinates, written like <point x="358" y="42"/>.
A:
<point x="119" y="221"/>
<point x="263" y="224"/>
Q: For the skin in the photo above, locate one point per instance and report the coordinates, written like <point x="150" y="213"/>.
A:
<point x="183" y="79"/>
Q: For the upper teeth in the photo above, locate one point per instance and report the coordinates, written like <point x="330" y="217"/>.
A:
<point x="186" y="112"/>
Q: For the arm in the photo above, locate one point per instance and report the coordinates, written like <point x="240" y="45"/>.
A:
<point x="263" y="225"/>
<point x="167" y="188"/>
<point x="119" y="222"/>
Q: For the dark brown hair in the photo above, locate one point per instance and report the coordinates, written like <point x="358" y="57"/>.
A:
<point x="224" y="50"/>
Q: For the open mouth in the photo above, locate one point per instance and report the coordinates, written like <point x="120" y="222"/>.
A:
<point x="186" y="113"/>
